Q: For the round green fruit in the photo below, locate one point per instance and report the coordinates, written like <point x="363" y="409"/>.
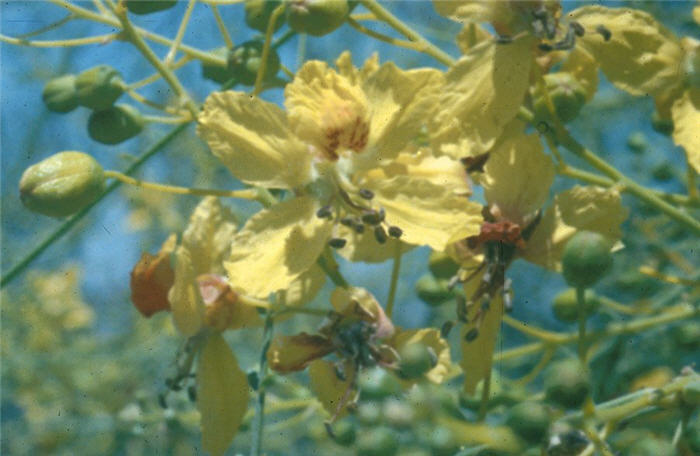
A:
<point x="567" y="383"/>
<point x="217" y="73"/>
<point x="59" y="94"/>
<point x="415" y="360"/>
<point x="115" y="124"/>
<point x="432" y="291"/>
<point x="586" y="259"/>
<point x="379" y="441"/>
<point x="344" y="432"/>
<point x="530" y="420"/>
<point x="567" y="95"/>
<point x="62" y="184"/>
<point x="258" y="12"/>
<point x="148" y="6"/>
<point x="99" y="87"/>
<point x="316" y="17"/>
<point x="245" y="59"/>
<point x="442" y="266"/>
<point x="377" y="383"/>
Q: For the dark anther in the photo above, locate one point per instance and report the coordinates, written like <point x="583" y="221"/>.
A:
<point x="578" y="28"/>
<point x="504" y="39"/>
<point x="372" y="218"/>
<point x="348" y="221"/>
<point x="433" y="356"/>
<point x="485" y="304"/>
<point x="192" y="393"/>
<point x="162" y="401"/>
<point x="471" y="335"/>
<point x="568" y="42"/>
<point x="604" y="31"/>
<point x="446" y="328"/>
<point x="476" y="163"/>
<point x="380" y="234"/>
<point x="359" y="228"/>
<point x="324" y="212"/>
<point x="366" y="194"/>
<point x="395" y="232"/>
<point x="337" y="243"/>
<point x="340" y="372"/>
<point x="545" y="47"/>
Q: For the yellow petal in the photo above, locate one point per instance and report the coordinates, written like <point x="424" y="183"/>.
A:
<point x="355" y="302"/>
<point x="222" y="394"/>
<point x="641" y="57"/>
<point x="430" y="337"/>
<point x="251" y="137"/>
<point x="686" y="125"/>
<point x="185" y="299"/>
<point x="696" y="14"/>
<point x="581" y="64"/>
<point x="208" y="235"/>
<point x="276" y="246"/>
<point x="477" y="355"/>
<point x="517" y="176"/>
<point x="496" y="437"/>
<point x="471" y="35"/>
<point x="332" y="392"/>
<point x="222" y="307"/>
<point x="482" y="94"/>
<point x="475" y="10"/>
<point x="365" y="248"/>
<point x="581" y="208"/>
<point x="294" y="353"/>
<point x="305" y="288"/>
<point x="356" y="75"/>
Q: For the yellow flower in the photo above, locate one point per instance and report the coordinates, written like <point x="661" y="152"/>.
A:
<point x="344" y="149"/>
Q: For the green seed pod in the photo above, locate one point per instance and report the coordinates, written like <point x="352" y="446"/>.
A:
<point x="344" y="432"/>
<point x="442" y="266"/>
<point x="99" y="87"/>
<point x="566" y="93"/>
<point x="148" y="6"/>
<point x="316" y="17"/>
<point x="59" y="94"/>
<point x="565" y="305"/>
<point x="379" y="441"/>
<point x="115" y="124"/>
<point x="415" y="360"/>
<point x="378" y="384"/>
<point x="62" y="184"/>
<point x="432" y="291"/>
<point x="661" y="124"/>
<point x="691" y="393"/>
<point x="586" y="259"/>
<point x="566" y="383"/>
<point x="257" y="14"/>
<point x="245" y="59"/>
<point x="530" y="420"/>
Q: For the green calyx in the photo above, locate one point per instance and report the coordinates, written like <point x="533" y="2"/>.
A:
<point x="567" y="95"/>
<point x="565" y="305"/>
<point x="115" y="124"/>
<point x="244" y="61"/>
<point x="99" y="87"/>
<point x="586" y="259"/>
<point x="59" y="94"/>
<point x="62" y="184"/>
<point x="316" y="17"/>
<point x="148" y="6"/>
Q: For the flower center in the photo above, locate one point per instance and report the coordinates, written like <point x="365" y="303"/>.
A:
<point x="345" y="127"/>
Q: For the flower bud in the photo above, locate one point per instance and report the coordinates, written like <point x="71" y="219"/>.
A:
<point x="565" y="305"/>
<point x="316" y="17"/>
<point x="217" y="73"/>
<point x="378" y="384"/>
<point x="257" y="14"/>
<point x="442" y="266"/>
<point x="586" y="259"/>
<point x="115" y="124"/>
<point x="566" y="383"/>
<point x="219" y="300"/>
<point x="432" y="291"/>
<point x="151" y="280"/>
<point x="62" y="184"/>
<point x="661" y="125"/>
<point x="530" y="420"/>
<point x="148" y="6"/>
<point x="99" y="87"/>
<point x="344" y="432"/>
<point x="415" y="360"/>
<point x="245" y="59"/>
<point x="377" y="441"/>
<point x="567" y="94"/>
<point x="691" y="393"/>
<point x="59" y="94"/>
<point x="687" y="335"/>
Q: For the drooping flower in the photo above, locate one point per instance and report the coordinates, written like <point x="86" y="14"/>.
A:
<point x="344" y="150"/>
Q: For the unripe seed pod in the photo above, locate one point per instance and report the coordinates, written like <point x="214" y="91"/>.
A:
<point x="99" y="87"/>
<point x="316" y="17"/>
<point x="566" y="383"/>
<point x="257" y="14"/>
<point x="245" y="59"/>
<point x="567" y="94"/>
<point x="115" y="124"/>
<point x="62" y="184"/>
<point x="415" y="360"/>
<point x="586" y="259"/>
<point x="565" y="305"/>
<point x="432" y="291"/>
<point x="530" y="420"/>
<point x="442" y="266"/>
<point x="59" y="94"/>
<point x="379" y="441"/>
<point x="148" y="6"/>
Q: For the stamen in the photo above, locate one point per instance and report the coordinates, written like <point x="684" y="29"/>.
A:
<point x="395" y="232"/>
<point x="348" y="221"/>
<point x="337" y="243"/>
<point x="380" y="234"/>
<point x="604" y="31"/>
<point x="324" y="212"/>
<point x="366" y="193"/>
<point x="578" y="28"/>
<point x="471" y="335"/>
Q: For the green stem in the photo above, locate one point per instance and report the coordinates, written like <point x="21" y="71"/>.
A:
<point x="68" y="224"/>
<point x="395" y="269"/>
<point x="581" y="301"/>
<point x="330" y="267"/>
<point x="259" y="423"/>
<point x="266" y="48"/>
<point x="180" y="33"/>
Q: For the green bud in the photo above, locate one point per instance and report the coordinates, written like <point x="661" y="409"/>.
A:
<point x="398" y="413"/>
<point x="148" y="6"/>
<point x="244" y="61"/>
<point x="530" y="420"/>
<point x="344" y="432"/>
<point x="432" y="291"/>
<point x="59" y="94"/>
<point x="257" y="14"/>
<point x="586" y="259"/>
<point x="316" y="17"/>
<point x="691" y="393"/>
<point x="442" y="266"/>
<point x="687" y="335"/>
<point x="369" y="413"/>
<point x="415" y="360"/>
<point x="379" y="441"/>
<point x="661" y="124"/>
<point x="565" y="305"/>
<point x="637" y="142"/>
<point x="650" y="446"/>
<point x="115" y="124"/>
<point x="378" y="384"/>
<point x="62" y="184"/>
<point x="99" y="87"/>
<point x="566" y="383"/>
<point x="567" y="94"/>
<point x="217" y="73"/>
<point x="663" y="172"/>
<point x="442" y="442"/>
